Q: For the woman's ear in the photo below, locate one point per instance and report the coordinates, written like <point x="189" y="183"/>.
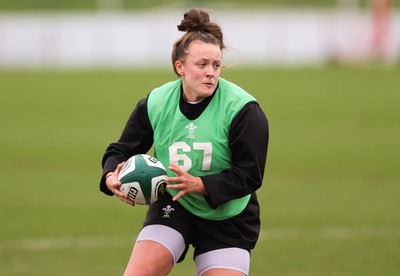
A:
<point x="179" y="68"/>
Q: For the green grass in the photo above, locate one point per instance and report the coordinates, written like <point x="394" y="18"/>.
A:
<point x="330" y="201"/>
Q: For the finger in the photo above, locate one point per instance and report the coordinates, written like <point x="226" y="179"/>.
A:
<point x="118" y="169"/>
<point x="120" y="194"/>
<point x="178" y="196"/>
<point x="175" y="186"/>
<point x="172" y="179"/>
<point x="123" y="197"/>
<point x="115" y="186"/>
<point x="128" y="201"/>
<point x="175" y="168"/>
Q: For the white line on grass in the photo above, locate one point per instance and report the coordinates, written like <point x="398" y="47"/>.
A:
<point x="337" y="233"/>
<point x="66" y="243"/>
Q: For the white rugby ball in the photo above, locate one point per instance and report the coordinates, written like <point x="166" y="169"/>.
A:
<point x="142" y="179"/>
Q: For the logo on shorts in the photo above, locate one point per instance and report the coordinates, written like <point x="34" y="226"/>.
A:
<point x="167" y="211"/>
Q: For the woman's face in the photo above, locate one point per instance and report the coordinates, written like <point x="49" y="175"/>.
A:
<point x="200" y="70"/>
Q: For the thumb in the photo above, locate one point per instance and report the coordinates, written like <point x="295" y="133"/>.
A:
<point x="118" y="169"/>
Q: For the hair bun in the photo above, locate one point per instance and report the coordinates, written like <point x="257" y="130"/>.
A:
<point x="195" y="20"/>
<point x="198" y="27"/>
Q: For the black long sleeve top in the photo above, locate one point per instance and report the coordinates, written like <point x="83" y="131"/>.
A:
<point x="248" y="141"/>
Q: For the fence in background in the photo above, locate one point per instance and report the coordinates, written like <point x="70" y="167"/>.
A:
<point x="257" y="38"/>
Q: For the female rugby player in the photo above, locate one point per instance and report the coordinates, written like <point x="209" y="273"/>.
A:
<point x="213" y="137"/>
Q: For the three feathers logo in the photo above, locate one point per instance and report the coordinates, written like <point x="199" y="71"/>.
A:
<point x="167" y="211"/>
<point x="191" y="128"/>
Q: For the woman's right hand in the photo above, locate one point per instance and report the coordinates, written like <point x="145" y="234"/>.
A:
<point x="113" y="185"/>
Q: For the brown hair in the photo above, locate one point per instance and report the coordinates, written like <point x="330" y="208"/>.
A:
<point x="197" y="25"/>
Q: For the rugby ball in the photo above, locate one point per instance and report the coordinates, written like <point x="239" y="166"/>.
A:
<point x="142" y="179"/>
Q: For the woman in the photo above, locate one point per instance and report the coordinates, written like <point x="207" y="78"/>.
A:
<point x="213" y="137"/>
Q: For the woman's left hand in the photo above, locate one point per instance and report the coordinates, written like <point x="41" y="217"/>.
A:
<point x="184" y="182"/>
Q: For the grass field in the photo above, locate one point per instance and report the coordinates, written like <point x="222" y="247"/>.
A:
<point x="330" y="201"/>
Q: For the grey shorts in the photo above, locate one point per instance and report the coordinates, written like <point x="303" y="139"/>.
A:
<point x="205" y="235"/>
<point x="169" y="223"/>
<point x="228" y="258"/>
